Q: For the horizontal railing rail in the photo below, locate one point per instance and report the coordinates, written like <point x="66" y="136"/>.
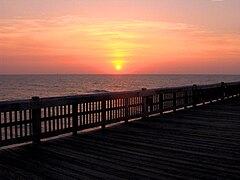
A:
<point x="39" y="118"/>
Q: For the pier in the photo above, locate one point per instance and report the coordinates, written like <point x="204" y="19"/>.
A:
<point x="187" y="132"/>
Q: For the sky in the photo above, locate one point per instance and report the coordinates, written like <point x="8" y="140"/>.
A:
<point x="120" y="37"/>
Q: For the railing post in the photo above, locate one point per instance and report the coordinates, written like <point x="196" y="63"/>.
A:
<point x="174" y="101"/>
<point x="36" y="120"/>
<point x="194" y="95"/>
<point x="103" y="113"/>
<point x="75" y="118"/>
<point x="222" y="90"/>
<point x="186" y="99"/>
<point x="144" y="105"/>
<point x="126" y="104"/>
<point x="161" y="103"/>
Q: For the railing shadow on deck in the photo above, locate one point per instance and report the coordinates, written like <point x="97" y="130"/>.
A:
<point x="40" y="118"/>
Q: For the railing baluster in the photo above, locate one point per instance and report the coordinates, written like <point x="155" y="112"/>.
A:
<point x="49" y="121"/>
<point x="87" y="109"/>
<point x="61" y="118"/>
<point x="211" y="95"/>
<point x="25" y="122"/>
<point x="69" y="115"/>
<point x="30" y="124"/>
<point x="57" y="114"/>
<point x="186" y="99"/>
<point x="161" y="103"/>
<point x="174" y="101"/>
<point x="203" y="97"/>
<point x="21" y="123"/>
<point x="194" y="97"/>
<point x="64" y="119"/>
<point x="83" y="113"/>
<point x="223" y="93"/>
<point x="0" y="126"/>
<point x="11" y="125"/>
<point x="16" y="126"/>
<point x="126" y="104"/>
<point x="99" y="111"/>
<point x="238" y="89"/>
<point x="45" y="122"/>
<point x="5" y="122"/>
<point x="144" y="105"/>
<point x="75" y="118"/>
<point x="81" y="116"/>
<point x="103" y="113"/>
<point x="54" y="119"/>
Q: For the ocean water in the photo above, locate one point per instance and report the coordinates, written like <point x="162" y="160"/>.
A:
<point x="13" y="87"/>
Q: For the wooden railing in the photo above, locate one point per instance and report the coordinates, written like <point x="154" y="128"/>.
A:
<point x="36" y="119"/>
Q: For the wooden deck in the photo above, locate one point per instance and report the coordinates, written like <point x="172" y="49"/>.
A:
<point x="200" y="143"/>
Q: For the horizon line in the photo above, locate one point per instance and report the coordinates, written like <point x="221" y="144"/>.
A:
<point x="121" y="74"/>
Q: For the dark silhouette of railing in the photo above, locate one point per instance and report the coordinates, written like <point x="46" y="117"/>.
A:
<point x="40" y="118"/>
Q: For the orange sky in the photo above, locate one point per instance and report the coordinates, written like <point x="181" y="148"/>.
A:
<point x="110" y="36"/>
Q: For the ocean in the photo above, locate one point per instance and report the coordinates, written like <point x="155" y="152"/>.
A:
<point x="14" y="87"/>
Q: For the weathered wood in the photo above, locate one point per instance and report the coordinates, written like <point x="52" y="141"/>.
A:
<point x="194" y="95"/>
<point x="36" y="120"/>
<point x="75" y="118"/>
<point x="186" y="99"/>
<point x="5" y="121"/>
<point x="174" y="102"/>
<point x="197" y="143"/>
<point x="144" y="107"/>
<point x="1" y="127"/>
<point x="103" y="123"/>
<point x="126" y="104"/>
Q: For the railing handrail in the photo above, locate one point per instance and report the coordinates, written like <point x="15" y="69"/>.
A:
<point x="70" y="99"/>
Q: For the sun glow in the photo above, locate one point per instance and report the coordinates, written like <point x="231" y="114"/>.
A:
<point x="118" y="67"/>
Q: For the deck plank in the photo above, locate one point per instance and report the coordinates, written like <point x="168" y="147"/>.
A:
<point x="197" y="143"/>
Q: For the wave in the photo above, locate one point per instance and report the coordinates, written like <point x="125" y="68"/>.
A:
<point x="97" y="91"/>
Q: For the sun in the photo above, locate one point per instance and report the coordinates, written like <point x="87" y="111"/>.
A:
<point x="118" y="64"/>
<point x="118" y="67"/>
